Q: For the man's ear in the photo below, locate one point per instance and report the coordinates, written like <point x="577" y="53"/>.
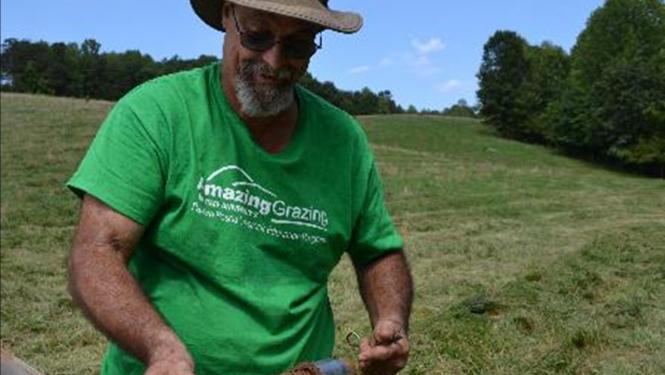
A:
<point x="226" y="14"/>
<point x="226" y="10"/>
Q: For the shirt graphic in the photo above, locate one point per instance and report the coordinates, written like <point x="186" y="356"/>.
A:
<point x="231" y="195"/>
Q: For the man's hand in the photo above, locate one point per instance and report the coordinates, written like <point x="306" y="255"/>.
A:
<point x="387" y="351"/>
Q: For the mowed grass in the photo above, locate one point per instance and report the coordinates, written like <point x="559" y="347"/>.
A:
<point x="525" y="261"/>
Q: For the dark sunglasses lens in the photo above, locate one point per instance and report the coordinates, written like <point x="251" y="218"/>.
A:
<point x="257" y="42"/>
<point x="299" y="49"/>
<point x="295" y="49"/>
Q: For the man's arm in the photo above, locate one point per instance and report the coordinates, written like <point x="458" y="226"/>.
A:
<point x="110" y="297"/>
<point x="387" y="290"/>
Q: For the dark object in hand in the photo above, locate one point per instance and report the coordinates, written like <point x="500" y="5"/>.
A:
<point x="323" y="367"/>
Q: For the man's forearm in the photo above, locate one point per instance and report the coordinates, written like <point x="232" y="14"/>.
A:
<point x="387" y="289"/>
<point x="110" y="297"/>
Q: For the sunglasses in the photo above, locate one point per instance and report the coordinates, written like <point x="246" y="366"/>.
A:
<point x="262" y="41"/>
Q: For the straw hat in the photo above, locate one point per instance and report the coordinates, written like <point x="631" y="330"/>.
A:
<point x="314" y="11"/>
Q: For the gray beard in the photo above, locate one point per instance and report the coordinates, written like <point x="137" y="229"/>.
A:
<point x="258" y="100"/>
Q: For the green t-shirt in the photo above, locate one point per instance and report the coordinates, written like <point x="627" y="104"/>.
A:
<point x="239" y="243"/>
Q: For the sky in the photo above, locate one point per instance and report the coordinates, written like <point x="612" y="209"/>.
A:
<point x="426" y="52"/>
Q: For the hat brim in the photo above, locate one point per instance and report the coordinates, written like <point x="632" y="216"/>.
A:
<point x="210" y="11"/>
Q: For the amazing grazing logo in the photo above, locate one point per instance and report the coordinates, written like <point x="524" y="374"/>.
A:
<point x="230" y="194"/>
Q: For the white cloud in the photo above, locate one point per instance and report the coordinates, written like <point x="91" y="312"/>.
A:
<point x="419" y="60"/>
<point x="449" y="86"/>
<point x="420" y="64"/>
<point x="359" y="69"/>
<point x="430" y="46"/>
<point x="386" y="61"/>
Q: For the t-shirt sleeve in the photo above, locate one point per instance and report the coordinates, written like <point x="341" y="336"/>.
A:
<point x="124" y="166"/>
<point x="374" y="233"/>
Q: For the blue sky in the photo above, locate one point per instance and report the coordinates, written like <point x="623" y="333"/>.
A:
<point x="426" y="52"/>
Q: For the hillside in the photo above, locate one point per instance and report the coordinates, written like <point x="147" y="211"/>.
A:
<point x="524" y="261"/>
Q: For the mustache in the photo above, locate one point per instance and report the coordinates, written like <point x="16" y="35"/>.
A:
<point x="249" y="68"/>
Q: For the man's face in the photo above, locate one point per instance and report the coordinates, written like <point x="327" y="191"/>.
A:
<point x="261" y="72"/>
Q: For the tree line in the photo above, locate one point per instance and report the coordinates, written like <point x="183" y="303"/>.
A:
<point x="83" y="71"/>
<point x="67" y="69"/>
<point x="604" y="101"/>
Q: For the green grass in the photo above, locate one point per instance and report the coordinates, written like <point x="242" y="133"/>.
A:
<point x="525" y="261"/>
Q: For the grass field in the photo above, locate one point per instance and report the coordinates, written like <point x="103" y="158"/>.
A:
<point x="525" y="262"/>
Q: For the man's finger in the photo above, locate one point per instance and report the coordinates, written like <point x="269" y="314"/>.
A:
<point x="365" y="345"/>
<point x="383" y="352"/>
<point x="387" y="366"/>
<point x="387" y="332"/>
<point x="378" y="353"/>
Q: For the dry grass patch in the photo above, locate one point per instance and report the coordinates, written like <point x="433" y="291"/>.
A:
<point x="525" y="262"/>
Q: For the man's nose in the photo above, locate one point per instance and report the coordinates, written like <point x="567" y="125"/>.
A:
<point x="274" y="56"/>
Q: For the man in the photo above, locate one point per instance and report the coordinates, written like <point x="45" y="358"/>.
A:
<point x="216" y="202"/>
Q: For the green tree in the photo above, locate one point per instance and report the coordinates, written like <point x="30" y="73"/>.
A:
<point x="91" y="69"/>
<point x="613" y="103"/>
<point x="63" y="71"/>
<point x="124" y="71"/>
<point x="26" y="64"/>
<point x="518" y="82"/>
<point x="549" y="66"/>
<point x="34" y="81"/>
<point x="461" y="109"/>
<point x="354" y="102"/>
<point x="502" y="76"/>
<point x="386" y="104"/>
